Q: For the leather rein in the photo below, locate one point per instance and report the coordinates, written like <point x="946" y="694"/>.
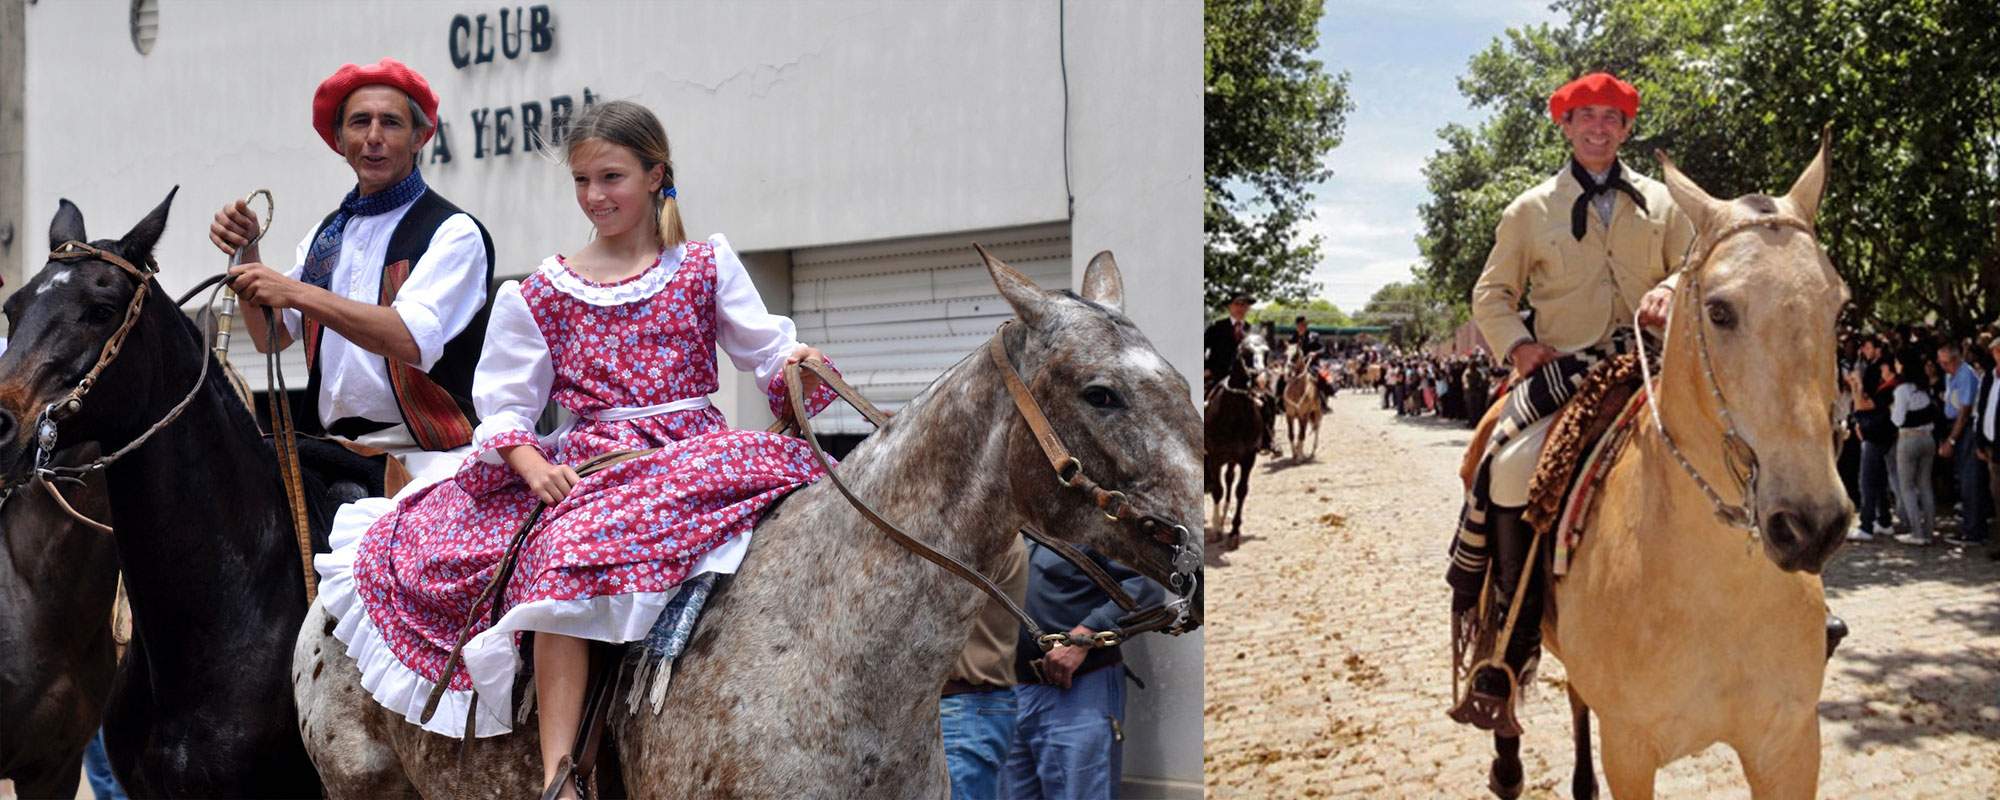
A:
<point x="1172" y="617"/>
<point x="1738" y="456"/>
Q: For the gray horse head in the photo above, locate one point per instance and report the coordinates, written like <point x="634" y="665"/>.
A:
<point x="1117" y="406"/>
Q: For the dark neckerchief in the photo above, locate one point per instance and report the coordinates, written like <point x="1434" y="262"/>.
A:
<point x="325" y="252"/>
<point x="1614" y="179"/>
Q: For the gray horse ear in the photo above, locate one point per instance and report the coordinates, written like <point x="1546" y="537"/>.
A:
<point x="1102" y="284"/>
<point x="137" y="245"/>
<point x="67" y="226"/>
<point x="1805" y="194"/>
<point x="1700" y="208"/>
<point x="1027" y="299"/>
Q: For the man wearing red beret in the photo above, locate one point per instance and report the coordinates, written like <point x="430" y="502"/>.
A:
<point x="1590" y="248"/>
<point x="389" y="292"/>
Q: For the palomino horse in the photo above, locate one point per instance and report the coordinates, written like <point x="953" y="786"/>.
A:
<point x="1232" y="427"/>
<point x="57" y="579"/>
<point x="1673" y="627"/>
<point x="1302" y="405"/>
<point x="202" y="705"/>
<point x="816" y="673"/>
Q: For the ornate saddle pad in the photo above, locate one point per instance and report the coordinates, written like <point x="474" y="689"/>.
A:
<point x="1584" y="440"/>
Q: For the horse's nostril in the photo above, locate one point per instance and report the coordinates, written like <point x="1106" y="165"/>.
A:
<point x="7" y="424"/>
<point x="1784" y="528"/>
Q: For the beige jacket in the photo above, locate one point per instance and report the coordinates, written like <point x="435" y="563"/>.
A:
<point x="1581" y="290"/>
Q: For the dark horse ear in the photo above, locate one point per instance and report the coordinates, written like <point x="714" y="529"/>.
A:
<point x="138" y="242"/>
<point x="67" y="226"/>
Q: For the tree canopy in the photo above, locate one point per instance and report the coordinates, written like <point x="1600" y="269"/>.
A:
<point x="1272" y="114"/>
<point x="1738" y="91"/>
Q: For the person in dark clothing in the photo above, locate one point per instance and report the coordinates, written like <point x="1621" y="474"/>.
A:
<point x="1219" y="341"/>
<point x="1873" y="384"/>
<point x="1071" y="701"/>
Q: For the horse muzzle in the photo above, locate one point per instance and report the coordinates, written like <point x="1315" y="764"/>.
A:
<point x="1803" y="538"/>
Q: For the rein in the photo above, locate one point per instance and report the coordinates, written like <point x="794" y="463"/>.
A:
<point x="1172" y="617"/>
<point x="1738" y="456"/>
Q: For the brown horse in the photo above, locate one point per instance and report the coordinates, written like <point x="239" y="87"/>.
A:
<point x="816" y="672"/>
<point x="57" y="579"/>
<point x="1303" y="405"/>
<point x="1682" y="629"/>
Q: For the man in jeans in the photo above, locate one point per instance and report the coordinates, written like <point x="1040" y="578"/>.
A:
<point x="1961" y="385"/>
<point x="1986" y="432"/>
<point x="977" y="708"/>
<point x="1070" y="723"/>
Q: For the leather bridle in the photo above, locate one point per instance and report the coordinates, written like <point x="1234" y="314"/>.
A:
<point x="1186" y="559"/>
<point x="1739" y="458"/>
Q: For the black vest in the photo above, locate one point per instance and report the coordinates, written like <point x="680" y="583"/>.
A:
<point x="453" y="371"/>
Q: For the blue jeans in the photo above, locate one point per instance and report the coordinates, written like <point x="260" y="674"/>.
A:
<point x="1068" y="743"/>
<point x="1874" y="484"/>
<point x="978" y="728"/>
<point x="97" y="769"/>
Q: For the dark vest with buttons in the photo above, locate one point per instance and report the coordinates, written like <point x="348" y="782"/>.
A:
<point x="436" y="405"/>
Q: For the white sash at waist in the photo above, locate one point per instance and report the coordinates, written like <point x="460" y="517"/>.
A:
<point x="641" y="412"/>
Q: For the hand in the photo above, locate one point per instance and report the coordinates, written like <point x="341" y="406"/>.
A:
<point x="261" y="285"/>
<point x="550" y="482"/>
<point x="234" y="227"/>
<point x="1654" y="305"/>
<point x="808" y="380"/>
<point x="1060" y="665"/>
<point x="1981" y="455"/>
<point x="1530" y="356"/>
<point x="1944" y="450"/>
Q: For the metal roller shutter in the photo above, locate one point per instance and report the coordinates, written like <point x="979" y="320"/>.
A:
<point x="895" y="315"/>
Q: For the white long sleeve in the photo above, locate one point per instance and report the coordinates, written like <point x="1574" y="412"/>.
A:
<point x="512" y="384"/>
<point x="754" y="338"/>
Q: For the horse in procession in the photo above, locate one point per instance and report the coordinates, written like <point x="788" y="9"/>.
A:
<point x="813" y="671"/>
<point x="1692" y="609"/>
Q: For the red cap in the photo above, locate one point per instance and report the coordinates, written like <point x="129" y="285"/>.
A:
<point x="387" y="72"/>
<point x="1595" y="89"/>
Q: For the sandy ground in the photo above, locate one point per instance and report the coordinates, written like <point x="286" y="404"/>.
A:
<point x="1327" y="654"/>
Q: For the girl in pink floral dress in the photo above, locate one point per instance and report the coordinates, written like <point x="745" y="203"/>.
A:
<point x="622" y="335"/>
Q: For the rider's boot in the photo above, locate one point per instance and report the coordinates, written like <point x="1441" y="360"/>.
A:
<point x="1491" y="706"/>
<point x="1836" y="630"/>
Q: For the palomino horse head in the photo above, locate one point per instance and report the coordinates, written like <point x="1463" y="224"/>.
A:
<point x="60" y="322"/>
<point x="1751" y="355"/>
<point x="1119" y="408"/>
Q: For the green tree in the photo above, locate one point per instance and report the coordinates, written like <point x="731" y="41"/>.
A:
<point x="1317" y="311"/>
<point x="1414" y="313"/>
<point x="1738" y="91"/>
<point x="1271" y="115"/>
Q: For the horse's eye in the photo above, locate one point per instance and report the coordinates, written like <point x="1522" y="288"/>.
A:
<point x="1102" y="397"/>
<point x="1721" y="314"/>
<point x="99" y="314"/>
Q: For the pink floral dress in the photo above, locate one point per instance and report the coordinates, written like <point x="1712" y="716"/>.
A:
<point x="634" y="362"/>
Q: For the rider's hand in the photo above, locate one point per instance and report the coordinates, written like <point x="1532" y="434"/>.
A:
<point x="1060" y="665"/>
<point x="1654" y="305"/>
<point x="808" y="380"/>
<point x="1529" y="356"/>
<point x="261" y="285"/>
<point x="234" y="227"/>
<point x="550" y="482"/>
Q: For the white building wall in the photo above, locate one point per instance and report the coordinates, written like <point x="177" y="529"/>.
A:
<point x="793" y="124"/>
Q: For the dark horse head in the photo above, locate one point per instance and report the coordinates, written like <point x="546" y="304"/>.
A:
<point x="59" y="324"/>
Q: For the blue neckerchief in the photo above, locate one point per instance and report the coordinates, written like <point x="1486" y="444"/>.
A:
<point x="325" y="252"/>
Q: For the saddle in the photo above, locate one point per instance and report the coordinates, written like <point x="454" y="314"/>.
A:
<point x="1584" y="440"/>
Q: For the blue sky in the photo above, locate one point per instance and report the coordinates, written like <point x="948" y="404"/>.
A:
<point x="1404" y="60"/>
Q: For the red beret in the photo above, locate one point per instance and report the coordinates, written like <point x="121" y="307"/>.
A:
<point x="1595" y="89"/>
<point x="387" y="72"/>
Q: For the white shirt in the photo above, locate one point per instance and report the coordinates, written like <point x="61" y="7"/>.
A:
<point x="516" y="375"/>
<point x="1907" y="398"/>
<point x="1992" y="409"/>
<point x="446" y="287"/>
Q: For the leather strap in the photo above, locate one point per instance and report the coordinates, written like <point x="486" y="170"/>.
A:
<point x="285" y="440"/>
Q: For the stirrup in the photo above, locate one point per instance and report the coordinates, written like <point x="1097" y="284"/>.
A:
<point x="1487" y="711"/>
<point x="565" y="773"/>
